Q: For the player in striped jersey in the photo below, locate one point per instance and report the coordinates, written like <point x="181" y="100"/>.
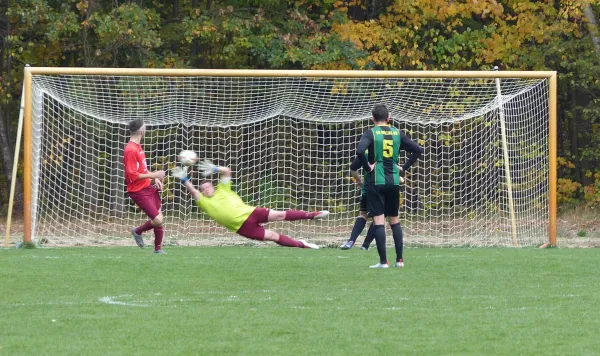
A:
<point x="378" y="152"/>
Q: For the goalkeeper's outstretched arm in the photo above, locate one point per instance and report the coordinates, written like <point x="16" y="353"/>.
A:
<point x="225" y="172"/>
<point x="207" y="168"/>
<point x="181" y="173"/>
<point x="195" y="192"/>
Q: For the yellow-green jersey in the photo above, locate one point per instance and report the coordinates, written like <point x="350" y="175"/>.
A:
<point x="226" y="207"/>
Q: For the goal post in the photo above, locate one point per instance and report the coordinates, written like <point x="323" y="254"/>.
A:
<point x="303" y="125"/>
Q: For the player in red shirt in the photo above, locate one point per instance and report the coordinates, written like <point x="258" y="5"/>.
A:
<point x="140" y="188"/>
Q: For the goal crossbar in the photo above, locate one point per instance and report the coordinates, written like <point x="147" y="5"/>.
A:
<point x="286" y="73"/>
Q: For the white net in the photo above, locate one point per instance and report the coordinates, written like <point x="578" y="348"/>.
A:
<point x="290" y="142"/>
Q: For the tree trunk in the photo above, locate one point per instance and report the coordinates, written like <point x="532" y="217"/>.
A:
<point x="574" y="149"/>
<point x="7" y="164"/>
<point x="581" y="131"/>
<point x="195" y="46"/>
<point x="175" y="18"/>
<point x="592" y="26"/>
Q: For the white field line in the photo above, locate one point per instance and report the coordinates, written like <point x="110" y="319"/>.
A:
<point x="113" y="301"/>
<point x="45" y="303"/>
<point x="128" y="300"/>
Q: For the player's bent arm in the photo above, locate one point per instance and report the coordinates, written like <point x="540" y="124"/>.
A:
<point x="365" y="141"/>
<point x="354" y="167"/>
<point x="410" y="146"/>
<point x="147" y="175"/>
<point x="356" y="176"/>
<point x="131" y="167"/>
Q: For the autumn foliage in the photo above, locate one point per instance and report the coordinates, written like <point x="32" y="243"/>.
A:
<point x="320" y="34"/>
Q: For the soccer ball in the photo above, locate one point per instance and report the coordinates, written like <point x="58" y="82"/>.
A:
<point x="187" y="157"/>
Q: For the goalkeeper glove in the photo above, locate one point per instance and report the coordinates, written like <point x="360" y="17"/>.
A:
<point x="207" y="168"/>
<point x="180" y="173"/>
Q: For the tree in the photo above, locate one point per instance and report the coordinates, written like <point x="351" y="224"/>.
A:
<point x="592" y="25"/>
<point x="317" y="34"/>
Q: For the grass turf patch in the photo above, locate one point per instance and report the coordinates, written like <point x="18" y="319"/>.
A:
<point x="262" y="301"/>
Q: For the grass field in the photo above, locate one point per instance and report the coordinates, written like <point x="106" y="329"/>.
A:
<point x="274" y="301"/>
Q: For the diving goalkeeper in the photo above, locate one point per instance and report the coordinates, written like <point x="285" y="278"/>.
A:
<point x="224" y="206"/>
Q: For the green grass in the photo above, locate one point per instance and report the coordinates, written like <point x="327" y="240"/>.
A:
<point x="273" y="301"/>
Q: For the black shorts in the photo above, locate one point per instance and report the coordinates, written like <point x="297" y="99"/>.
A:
<point x="363" y="202"/>
<point x="383" y="199"/>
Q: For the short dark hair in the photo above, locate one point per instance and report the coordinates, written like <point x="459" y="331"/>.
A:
<point x="135" y="125"/>
<point x="380" y="113"/>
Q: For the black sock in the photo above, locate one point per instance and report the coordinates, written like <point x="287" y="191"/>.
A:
<point x="397" y="232"/>
<point x="379" y="234"/>
<point x="359" y="226"/>
<point x="369" y="237"/>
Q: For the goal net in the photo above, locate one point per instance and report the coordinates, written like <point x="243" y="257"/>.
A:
<point x="289" y="142"/>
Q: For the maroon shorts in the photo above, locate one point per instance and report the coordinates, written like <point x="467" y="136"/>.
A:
<point x="252" y="228"/>
<point x="148" y="199"/>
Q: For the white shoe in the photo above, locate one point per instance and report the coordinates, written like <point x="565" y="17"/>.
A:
<point x="321" y="214"/>
<point x="399" y="264"/>
<point x="309" y="245"/>
<point x="380" y="265"/>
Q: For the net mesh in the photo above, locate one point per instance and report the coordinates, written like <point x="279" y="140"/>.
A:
<point x="290" y="142"/>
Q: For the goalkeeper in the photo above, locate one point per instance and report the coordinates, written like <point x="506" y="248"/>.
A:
<point x="223" y="205"/>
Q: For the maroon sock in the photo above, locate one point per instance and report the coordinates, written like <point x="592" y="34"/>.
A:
<point x="289" y="242"/>
<point x="158" y="237"/>
<point x="291" y="215"/>
<point x="144" y="227"/>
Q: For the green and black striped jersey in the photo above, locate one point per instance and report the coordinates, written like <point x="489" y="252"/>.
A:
<point x="381" y="145"/>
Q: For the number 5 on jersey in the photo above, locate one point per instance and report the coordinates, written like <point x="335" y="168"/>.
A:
<point x="388" y="148"/>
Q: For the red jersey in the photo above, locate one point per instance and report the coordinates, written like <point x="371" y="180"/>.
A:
<point x="135" y="164"/>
